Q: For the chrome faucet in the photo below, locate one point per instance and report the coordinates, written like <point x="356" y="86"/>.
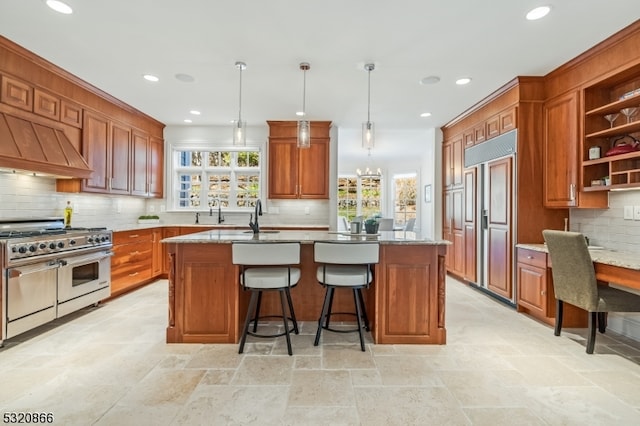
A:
<point x="255" y="227"/>
<point x="197" y="218"/>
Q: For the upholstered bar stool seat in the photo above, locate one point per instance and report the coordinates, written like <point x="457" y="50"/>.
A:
<point x="267" y="267"/>
<point x="345" y="265"/>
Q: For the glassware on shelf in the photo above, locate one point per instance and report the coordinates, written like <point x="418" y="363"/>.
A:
<point x="629" y="113"/>
<point x="611" y="118"/>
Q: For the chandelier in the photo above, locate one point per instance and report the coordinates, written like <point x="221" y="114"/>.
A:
<point x="240" y="127"/>
<point x="304" y="127"/>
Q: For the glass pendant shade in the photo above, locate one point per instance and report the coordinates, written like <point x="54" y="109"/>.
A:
<point x="304" y="126"/>
<point x="304" y="134"/>
<point x="240" y="133"/>
<point x="368" y="135"/>
<point x="239" y="126"/>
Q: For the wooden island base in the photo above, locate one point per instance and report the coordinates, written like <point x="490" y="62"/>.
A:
<point x="405" y="303"/>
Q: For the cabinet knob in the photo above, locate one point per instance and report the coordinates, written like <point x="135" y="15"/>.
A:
<point x="529" y="257"/>
<point x="543" y="292"/>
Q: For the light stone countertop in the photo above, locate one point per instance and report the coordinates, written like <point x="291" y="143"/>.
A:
<point x="135" y="226"/>
<point x="601" y="255"/>
<point x="303" y="236"/>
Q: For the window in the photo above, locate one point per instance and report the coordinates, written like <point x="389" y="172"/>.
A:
<point x="359" y="196"/>
<point x="202" y="178"/>
<point x="405" y="197"/>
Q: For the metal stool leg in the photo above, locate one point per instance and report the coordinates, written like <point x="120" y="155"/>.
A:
<point x="356" y="296"/>
<point x="257" y="315"/>
<point x="284" y="320"/>
<point x="365" y="318"/>
<point x="291" y="311"/>
<point x="323" y="314"/>
<point x="252" y="306"/>
<point x="328" y="318"/>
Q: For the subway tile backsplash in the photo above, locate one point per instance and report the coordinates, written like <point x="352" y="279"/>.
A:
<point x="23" y="195"/>
<point x="607" y="227"/>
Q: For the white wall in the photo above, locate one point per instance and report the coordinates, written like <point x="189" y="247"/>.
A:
<point x="399" y="151"/>
<point x="608" y="228"/>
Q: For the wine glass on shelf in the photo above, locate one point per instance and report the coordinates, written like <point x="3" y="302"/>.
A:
<point x="629" y="113"/>
<point x="611" y="118"/>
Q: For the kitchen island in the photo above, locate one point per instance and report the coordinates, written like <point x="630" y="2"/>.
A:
<point x="405" y="303"/>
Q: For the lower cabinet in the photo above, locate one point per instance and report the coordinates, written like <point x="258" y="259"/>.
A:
<point x="131" y="264"/>
<point x="535" y="294"/>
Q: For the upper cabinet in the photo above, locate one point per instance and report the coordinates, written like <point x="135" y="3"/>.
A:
<point x="298" y="172"/>
<point x="561" y="141"/>
<point x="452" y="162"/>
<point x="612" y="126"/>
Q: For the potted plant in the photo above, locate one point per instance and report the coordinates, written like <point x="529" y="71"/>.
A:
<point x="371" y="225"/>
<point x="151" y="218"/>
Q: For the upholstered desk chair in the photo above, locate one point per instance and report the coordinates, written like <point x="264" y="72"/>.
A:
<point x="574" y="282"/>
<point x="385" y="224"/>
<point x="345" y="265"/>
<point x="267" y="267"/>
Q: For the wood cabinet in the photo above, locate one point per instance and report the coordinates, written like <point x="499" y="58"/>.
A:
<point x="469" y="236"/>
<point x="157" y="259"/>
<point x="131" y="264"/>
<point x="125" y="160"/>
<point x="16" y="93"/>
<point x="167" y="232"/>
<point x="499" y="231"/>
<point x="609" y="98"/>
<point x="453" y="230"/>
<point x="535" y="290"/>
<point x="561" y="141"/>
<point x="452" y="162"/>
<point x="46" y="105"/>
<point x="298" y="172"/>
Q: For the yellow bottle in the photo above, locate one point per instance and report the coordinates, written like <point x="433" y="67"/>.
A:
<point x="68" y="211"/>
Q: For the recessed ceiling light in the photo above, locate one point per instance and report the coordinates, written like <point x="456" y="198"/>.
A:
<point x="538" y="12"/>
<point x="194" y="112"/>
<point x="432" y="79"/>
<point x="185" y="78"/>
<point x="188" y="120"/>
<point x="60" y="7"/>
<point x="150" y="77"/>
<point x="425" y="114"/>
<point x="462" y="81"/>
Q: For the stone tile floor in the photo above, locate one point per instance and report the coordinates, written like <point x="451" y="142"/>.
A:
<point x="110" y="366"/>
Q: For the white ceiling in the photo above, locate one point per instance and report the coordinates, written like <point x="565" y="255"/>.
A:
<point x="112" y="43"/>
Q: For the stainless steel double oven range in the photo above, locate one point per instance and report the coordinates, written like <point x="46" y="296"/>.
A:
<point x="49" y="271"/>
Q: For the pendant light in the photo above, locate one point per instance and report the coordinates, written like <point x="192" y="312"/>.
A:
<point x="240" y="127"/>
<point x="368" y="134"/>
<point x="304" y="127"/>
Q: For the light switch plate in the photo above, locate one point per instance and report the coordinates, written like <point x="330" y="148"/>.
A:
<point x="628" y="212"/>
<point x="636" y="212"/>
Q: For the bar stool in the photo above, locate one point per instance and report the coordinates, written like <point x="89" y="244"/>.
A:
<point x="345" y="265"/>
<point x="267" y="267"/>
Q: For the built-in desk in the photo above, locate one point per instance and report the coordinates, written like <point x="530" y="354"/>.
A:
<point x="535" y="283"/>
<point x="405" y="303"/>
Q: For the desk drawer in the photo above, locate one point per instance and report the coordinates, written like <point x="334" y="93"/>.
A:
<point x="532" y="257"/>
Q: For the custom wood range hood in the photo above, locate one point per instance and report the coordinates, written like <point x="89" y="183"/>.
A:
<point x="39" y="147"/>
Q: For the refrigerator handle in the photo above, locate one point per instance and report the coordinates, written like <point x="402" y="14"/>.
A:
<point x="485" y="219"/>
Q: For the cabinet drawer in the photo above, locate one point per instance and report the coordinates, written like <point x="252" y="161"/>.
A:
<point x="126" y="237"/>
<point x="131" y="253"/>
<point x="532" y="257"/>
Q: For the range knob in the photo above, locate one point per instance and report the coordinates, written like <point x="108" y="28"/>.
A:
<point x="60" y="244"/>
<point x="22" y="249"/>
<point x="72" y="242"/>
<point x="103" y="239"/>
<point x="42" y="246"/>
<point x="52" y="245"/>
<point x="32" y="248"/>
<point x="90" y="239"/>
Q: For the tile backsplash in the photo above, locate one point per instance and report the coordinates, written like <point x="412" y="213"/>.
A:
<point x="607" y="227"/>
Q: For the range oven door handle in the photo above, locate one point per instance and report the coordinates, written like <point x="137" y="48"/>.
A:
<point x="75" y="260"/>
<point x="32" y="269"/>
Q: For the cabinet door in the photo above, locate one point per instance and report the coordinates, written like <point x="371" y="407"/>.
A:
<point x="457" y="161"/>
<point x="155" y="173"/>
<point x="447" y="161"/>
<point x="493" y="126"/>
<point x="313" y="170"/>
<point x="156" y="258"/>
<point x="139" y="163"/>
<point x="458" y="232"/>
<point x="561" y="151"/>
<point x="16" y="93"/>
<point x="507" y="120"/>
<point x="447" y="226"/>
<point x="469" y="224"/>
<point x="120" y="166"/>
<point x="283" y="168"/>
<point x="532" y="288"/>
<point x="499" y="228"/>
<point x="96" y="151"/>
